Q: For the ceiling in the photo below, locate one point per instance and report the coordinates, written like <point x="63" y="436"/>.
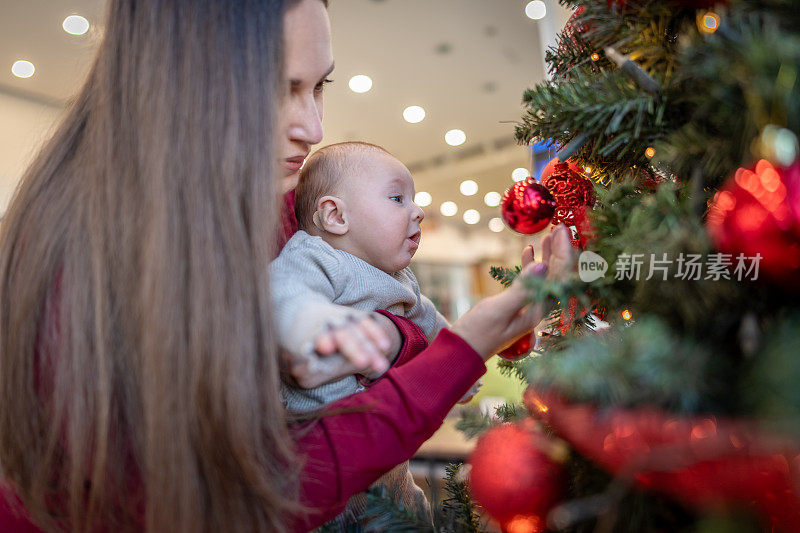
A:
<point x="466" y="62"/>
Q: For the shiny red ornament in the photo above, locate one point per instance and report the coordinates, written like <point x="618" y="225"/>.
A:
<point x="574" y="194"/>
<point x="527" y="207"/>
<point x="513" y="476"/>
<point x="758" y="212"/>
<point x="518" y="350"/>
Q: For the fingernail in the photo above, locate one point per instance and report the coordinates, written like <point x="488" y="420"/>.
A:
<point x="540" y="268"/>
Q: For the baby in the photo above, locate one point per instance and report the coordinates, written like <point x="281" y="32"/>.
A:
<point x="359" y="229"/>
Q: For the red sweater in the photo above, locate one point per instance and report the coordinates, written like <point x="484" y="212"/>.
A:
<point x="345" y="453"/>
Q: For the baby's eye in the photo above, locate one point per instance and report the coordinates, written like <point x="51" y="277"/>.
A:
<point x="398" y="198"/>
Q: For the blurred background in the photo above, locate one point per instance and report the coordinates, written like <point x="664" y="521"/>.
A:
<point x="436" y="82"/>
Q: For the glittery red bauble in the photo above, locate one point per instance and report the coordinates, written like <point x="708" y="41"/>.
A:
<point x="573" y="192"/>
<point x="527" y="207"/>
<point x="518" y="350"/>
<point x="512" y="476"/>
<point x="758" y="212"/>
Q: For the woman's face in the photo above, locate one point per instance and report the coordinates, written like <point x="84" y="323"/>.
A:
<point x="308" y="62"/>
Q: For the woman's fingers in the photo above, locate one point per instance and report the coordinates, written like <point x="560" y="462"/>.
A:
<point x="561" y="254"/>
<point x="527" y="255"/>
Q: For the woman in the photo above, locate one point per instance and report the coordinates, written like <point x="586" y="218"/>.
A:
<point x="138" y="380"/>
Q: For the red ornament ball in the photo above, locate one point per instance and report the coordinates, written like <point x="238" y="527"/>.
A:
<point x="512" y="476"/>
<point x="518" y="350"/>
<point x="527" y="207"/>
<point x="758" y="212"/>
<point x="562" y="166"/>
<point x="574" y="195"/>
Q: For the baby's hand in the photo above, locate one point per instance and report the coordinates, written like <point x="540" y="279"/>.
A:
<point x="359" y="340"/>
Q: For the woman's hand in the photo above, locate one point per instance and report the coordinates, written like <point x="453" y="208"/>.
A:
<point x="497" y="321"/>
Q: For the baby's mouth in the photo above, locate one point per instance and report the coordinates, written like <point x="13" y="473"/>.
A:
<point x="415" y="237"/>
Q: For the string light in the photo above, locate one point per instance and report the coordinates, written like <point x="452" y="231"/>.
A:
<point x="595" y="56"/>
<point x="524" y="524"/>
<point x="650" y="152"/>
<point x="588" y="170"/>
<point x="627" y="315"/>
<point x="708" y="22"/>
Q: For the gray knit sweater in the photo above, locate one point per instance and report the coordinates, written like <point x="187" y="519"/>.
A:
<point x="314" y="285"/>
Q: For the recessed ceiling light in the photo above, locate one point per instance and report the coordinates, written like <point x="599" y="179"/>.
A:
<point x="520" y="174"/>
<point x="448" y="209"/>
<point x="23" y="69"/>
<point x="536" y="10"/>
<point x="471" y="216"/>
<point x="413" y="114"/>
<point x="455" y="137"/>
<point x="496" y="225"/>
<point x="468" y="187"/>
<point x="423" y="199"/>
<point x="360" y="83"/>
<point x="492" y="199"/>
<point x="75" y="25"/>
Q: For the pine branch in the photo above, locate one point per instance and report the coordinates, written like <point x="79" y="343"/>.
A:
<point x="772" y="385"/>
<point x="384" y="513"/>
<point x="510" y="412"/>
<point x="459" y="513"/>
<point x="619" y="369"/>
<point x="732" y="84"/>
<point x="505" y="275"/>
<point x="621" y="120"/>
<point x="511" y="369"/>
<point x="647" y="30"/>
<point x="473" y="422"/>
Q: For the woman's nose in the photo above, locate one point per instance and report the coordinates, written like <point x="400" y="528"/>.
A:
<point x="306" y="122"/>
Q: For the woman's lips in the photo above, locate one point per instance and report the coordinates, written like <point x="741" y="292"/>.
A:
<point x="293" y="164"/>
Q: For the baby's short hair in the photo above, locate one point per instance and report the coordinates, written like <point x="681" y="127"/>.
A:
<point x="322" y="174"/>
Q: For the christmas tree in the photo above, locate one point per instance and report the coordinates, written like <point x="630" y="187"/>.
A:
<point x="664" y="385"/>
<point x="664" y="390"/>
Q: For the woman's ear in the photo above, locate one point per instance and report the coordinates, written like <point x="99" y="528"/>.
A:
<point x="331" y="215"/>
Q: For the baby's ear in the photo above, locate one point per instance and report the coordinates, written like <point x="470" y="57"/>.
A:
<point x="331" y="216"/>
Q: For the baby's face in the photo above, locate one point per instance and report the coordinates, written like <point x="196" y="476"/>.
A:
<point x="384" y="221"/>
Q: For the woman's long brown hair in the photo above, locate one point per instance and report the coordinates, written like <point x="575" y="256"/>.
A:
<point x="138" y="378"/>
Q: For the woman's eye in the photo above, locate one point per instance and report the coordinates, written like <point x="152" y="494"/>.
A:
<point x="398" y="199"/>
<point x="320" y="87"/>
